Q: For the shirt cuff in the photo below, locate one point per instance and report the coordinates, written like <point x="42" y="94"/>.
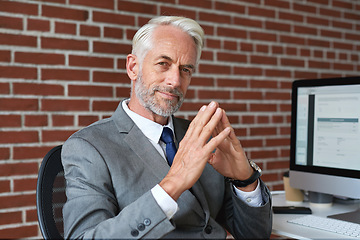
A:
<point x="166" y="203"/>
<point x="253" y="198"/>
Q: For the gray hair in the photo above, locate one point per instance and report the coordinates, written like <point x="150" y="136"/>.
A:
<point x="142" y="41"/>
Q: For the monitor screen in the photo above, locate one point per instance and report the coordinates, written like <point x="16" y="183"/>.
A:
<point x="325" y="136"/>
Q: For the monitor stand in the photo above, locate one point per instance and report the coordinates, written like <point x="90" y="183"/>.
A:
<point x="320" y="199"/>
<point x="353" y="217"/>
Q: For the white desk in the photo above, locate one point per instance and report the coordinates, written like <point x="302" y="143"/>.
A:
<point x="283" y="228"/>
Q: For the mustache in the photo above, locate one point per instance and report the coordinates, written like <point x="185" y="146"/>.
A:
<point x="174" y="91"/>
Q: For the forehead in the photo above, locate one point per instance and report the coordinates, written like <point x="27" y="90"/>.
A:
<point x="173" y="42"/>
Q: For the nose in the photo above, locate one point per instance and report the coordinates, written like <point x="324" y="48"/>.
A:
<point x="173" y="77"/>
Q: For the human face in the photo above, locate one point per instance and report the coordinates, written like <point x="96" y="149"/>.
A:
<point x="166" y="71"/>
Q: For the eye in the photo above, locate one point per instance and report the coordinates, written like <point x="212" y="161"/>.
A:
<point x="187" y="70"/>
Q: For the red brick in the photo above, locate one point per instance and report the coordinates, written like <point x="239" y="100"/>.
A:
<point x="16" y="169"/>
<point x="213" y="94"/>
<point x="39" y="58"/>
<point x="261" y="12"/>
<point x="277" y="96"/>
<point x="345" y="46"/>
<point x="18" y="104"/>
<point x="10" y="120"/>
<point x="87" y="120"/>
<point x="38" y="89"/>
<point x="122" y="92"/>
<point x="4" y="153"/>
<point x="230" y="45"/>
<point x="293" y="17"/>
<point x="31" y="215"/>
<point x="200" y="4"/>
<point x="56" y="135"/>
<point x="318" y="21"/>
<point x="248" y="71"/>
<point x="232" y="57"/>
<point x="101" y="106"/>
<point x="106" y="4"/>
<point x="31" y="152"/>
<point x="229" y="7"/>
<point x="4" y="187"/>
<point x="319" y="64"/>
<point x="64" y="44"/>
<point x="86" y="61"/>
<point x="110" y="32"/>
<point x="18" y="72"/>
<point x="113" y="48"/>
<point x="342" y="4"/>
<point x="174" y="11"/>
<point x="11" y="23"/>
<point x="232" y="32"/>
<point x="223" y="82"/>
<point x="110" y="77"/>
<point x="277" y="73"/>
<point x="342" y="24"/>
<point x="10" y="217"/>
<point x="263" y="84"/>
<point x="19" y="7"/>
<point x="28" y="184"/>
<point x="91" y="31"/>
<point x="64" y="13"/>
<point x="292" y="62"/>
<point x="304" y="8"/>
<point x="36" y="120"/>
<point x="263" y="154"/>
<point x="277" y="142"/>
<point x="262" y="107"/>
<point x="277" y="26"/>
<point x="25" y="231"/>
<point x="17" y="40"/>
<point x="277" y="3"/>
<point x="64" y="105"/>
<point x="90" y="91"/>
<point x="261" y="36"/>
<point x="19" y="136"/>
<point x="215" y="69"/>
<point x="113" y="18"/>
<point x="64" y="74"/>
<point x="212" y="17"/>
<point x="65" y="28"/>
<point x="292" y="40"/>
<point x="38" y="25"/>
<point x="263" y="60"/>
<point x="5" y="56"/>
<point x="202" y="81"/>
<point x="248" y="95"/>
<point x="62" y="120"/>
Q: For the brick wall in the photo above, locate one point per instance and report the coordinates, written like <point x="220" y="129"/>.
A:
<point x="62" y="67"/>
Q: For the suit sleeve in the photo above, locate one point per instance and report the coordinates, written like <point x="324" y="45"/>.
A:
<point x="92" y="210"/>
<point x="244" y="221"/>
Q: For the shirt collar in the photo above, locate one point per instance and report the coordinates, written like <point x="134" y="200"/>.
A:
<point x="150" y="129"/>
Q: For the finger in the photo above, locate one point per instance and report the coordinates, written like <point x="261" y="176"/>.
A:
<point x="210" y="127"/>
<point x="201" y="119"/>
<point x="218" y="139"/>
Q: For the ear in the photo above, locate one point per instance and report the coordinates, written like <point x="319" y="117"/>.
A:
<point x="132" y="66"/>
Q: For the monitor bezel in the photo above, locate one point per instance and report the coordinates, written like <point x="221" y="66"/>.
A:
<point x="312" y="83"/>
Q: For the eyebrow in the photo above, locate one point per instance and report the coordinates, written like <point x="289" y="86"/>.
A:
<point x="192" y="67"/>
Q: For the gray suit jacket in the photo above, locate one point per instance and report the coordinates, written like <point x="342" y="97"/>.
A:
<point x="110" y="168"/>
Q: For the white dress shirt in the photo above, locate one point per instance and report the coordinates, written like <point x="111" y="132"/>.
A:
<point x="152" y="131"/>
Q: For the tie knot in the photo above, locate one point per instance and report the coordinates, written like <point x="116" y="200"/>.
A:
<point x="167" y="135"/>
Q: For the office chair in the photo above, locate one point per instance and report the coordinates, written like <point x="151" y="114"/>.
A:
<point x="50" y="195"/>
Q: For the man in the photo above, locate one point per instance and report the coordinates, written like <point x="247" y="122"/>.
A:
<point x="119" y="182"/>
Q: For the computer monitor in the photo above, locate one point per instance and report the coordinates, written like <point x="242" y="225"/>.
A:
<point x="325" y="137"/>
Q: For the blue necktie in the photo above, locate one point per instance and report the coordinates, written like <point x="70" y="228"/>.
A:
<point x="167" y="137"/>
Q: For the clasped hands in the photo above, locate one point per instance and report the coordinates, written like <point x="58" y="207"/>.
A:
<point x="195" y="150"/>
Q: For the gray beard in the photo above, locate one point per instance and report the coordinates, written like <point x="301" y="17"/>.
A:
<point x="149" y="101"/>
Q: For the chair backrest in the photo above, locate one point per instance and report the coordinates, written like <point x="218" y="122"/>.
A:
<point x="50" y="195"/>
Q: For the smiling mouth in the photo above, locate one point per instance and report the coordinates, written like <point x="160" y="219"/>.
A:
<point x="168" y="95"/>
